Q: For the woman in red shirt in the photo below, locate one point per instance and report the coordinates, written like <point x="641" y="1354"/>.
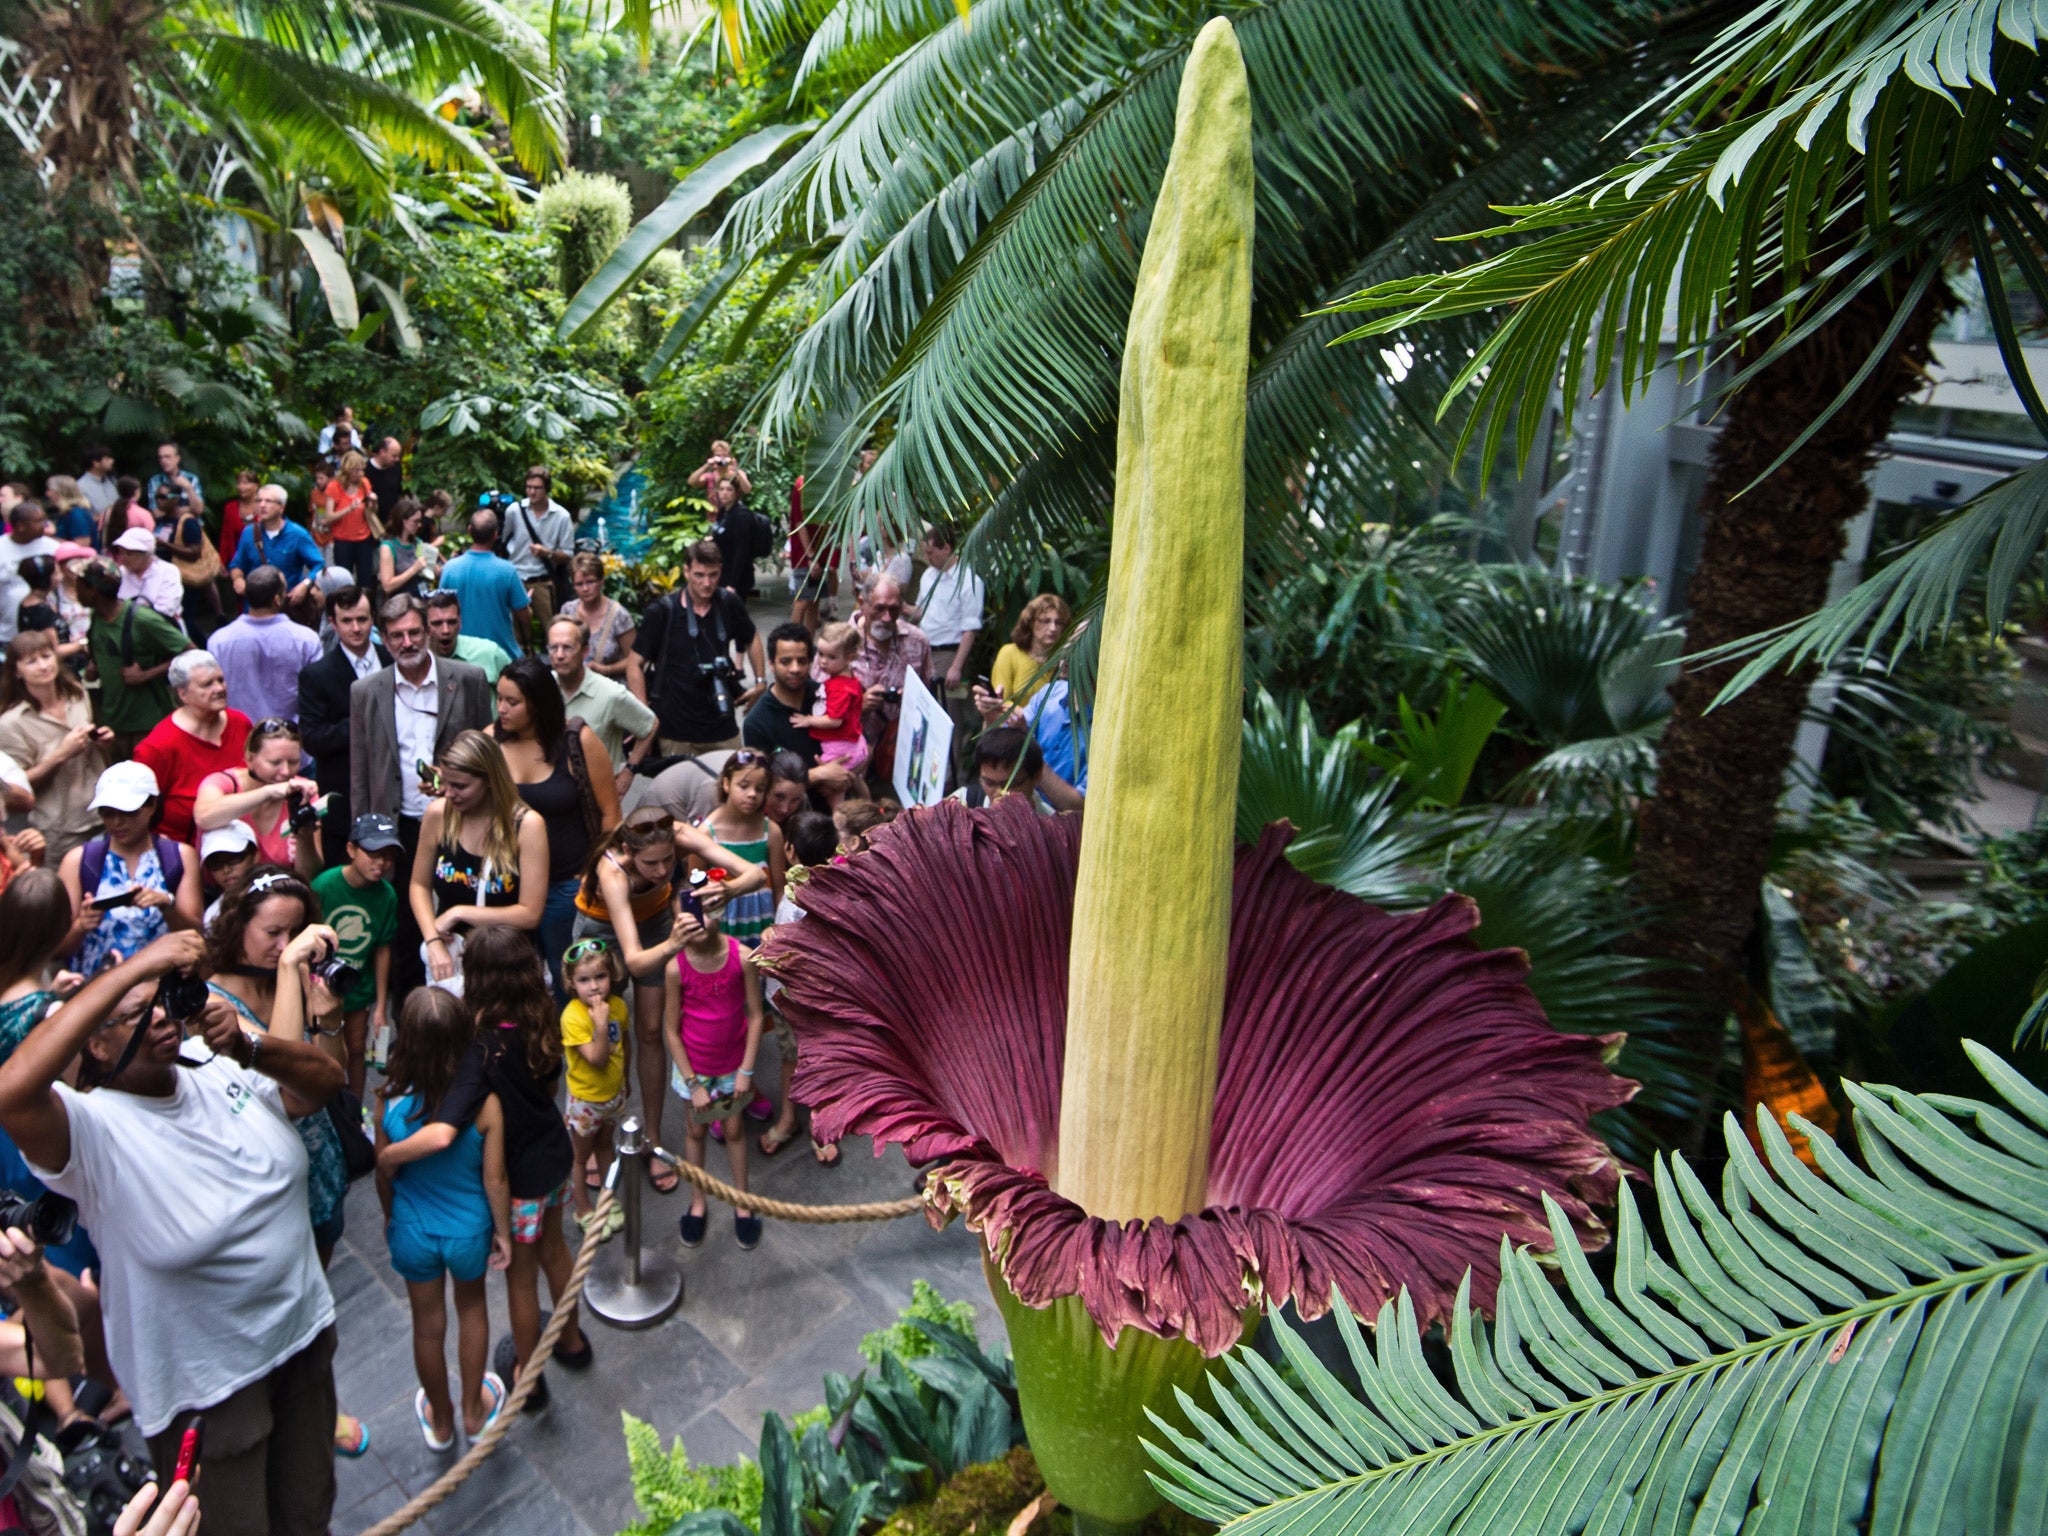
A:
<point x="201" y="736"/>
<point x="348" y="516"/>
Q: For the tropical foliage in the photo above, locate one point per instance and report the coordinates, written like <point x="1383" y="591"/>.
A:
<point x="1817" y="149"/>
<point x="1835" y="1347"/>
<point x="887" y="1436"/>
<point x="977" y="193"/>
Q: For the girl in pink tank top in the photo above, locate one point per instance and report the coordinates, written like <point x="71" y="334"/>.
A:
<point x="713" y="1036"/>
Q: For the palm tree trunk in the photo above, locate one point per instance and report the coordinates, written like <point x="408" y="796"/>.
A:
<point x="1705" y="837"/>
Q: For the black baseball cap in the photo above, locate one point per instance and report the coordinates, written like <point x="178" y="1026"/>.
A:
<point x="372" y="832"/>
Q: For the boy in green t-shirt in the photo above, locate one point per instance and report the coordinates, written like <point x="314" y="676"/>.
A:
<point x="357" y="902"/>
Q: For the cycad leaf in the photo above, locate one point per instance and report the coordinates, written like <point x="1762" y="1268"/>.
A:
<point x="1898" y="1403"/>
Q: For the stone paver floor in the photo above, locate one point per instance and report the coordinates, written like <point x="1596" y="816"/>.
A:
<point x="755" y="1331"/>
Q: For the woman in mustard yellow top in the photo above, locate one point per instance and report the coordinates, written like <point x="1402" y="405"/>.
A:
<point x="1020" y="669"/>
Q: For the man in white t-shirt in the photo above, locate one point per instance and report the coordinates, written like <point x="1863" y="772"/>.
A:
<point x="948" y="609"/>
<point x="192" y="1181"/>
<point x="28" y="537"/>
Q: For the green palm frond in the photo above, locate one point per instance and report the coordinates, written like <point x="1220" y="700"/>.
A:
<point x="989" y="187"/>
<point x="1916" y="594"/>
<point x="1349" y="831"/>
<point x="1861" y="1348"/>
<point x="1579" y="661"/>
<point x="409" y="50"/>
<point x="1815" y="149"/>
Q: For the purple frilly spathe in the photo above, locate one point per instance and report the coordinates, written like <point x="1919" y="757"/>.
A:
<point x="1390" y="1099"/>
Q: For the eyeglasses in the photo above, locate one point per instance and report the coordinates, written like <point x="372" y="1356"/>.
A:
<point x="583" y="948"/>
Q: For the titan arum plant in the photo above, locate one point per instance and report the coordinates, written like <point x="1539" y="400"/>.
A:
<point x="1172" y="1082"/>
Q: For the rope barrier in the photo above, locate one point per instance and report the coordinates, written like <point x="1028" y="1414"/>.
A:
<point x="481" y="1448"/>
<point x="785" y="1210"/>
<point x="565" y="1307"/>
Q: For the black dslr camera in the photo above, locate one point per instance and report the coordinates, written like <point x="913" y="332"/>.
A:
<point x="723" y="677"/>
<point x="336" y="972"/>
<point x="48" y="1218"/>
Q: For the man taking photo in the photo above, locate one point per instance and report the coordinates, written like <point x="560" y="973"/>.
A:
<point x="682" y="662"/>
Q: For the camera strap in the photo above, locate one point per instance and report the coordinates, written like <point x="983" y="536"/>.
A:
<point x="36" y="1418"/>
<point x="689" y="616"/>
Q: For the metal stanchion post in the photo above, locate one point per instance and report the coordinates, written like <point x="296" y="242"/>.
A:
<point x="626" y="1288"/>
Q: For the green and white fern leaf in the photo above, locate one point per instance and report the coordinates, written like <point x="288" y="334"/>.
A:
<point x="1858" y="1349"/>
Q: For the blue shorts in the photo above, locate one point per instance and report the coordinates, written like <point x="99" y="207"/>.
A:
<point x="423" y="1258"/>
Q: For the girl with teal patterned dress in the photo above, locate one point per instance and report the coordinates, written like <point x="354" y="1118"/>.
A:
<point x="739" y="823"/>
<point x="259" y="954"/>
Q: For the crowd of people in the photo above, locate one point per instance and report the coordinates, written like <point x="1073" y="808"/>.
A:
<point x="336" y="805"/>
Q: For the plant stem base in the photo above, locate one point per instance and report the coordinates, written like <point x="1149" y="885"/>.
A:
<point x="1084" y="1405"/>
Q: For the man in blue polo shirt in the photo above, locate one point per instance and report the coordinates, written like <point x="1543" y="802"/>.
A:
<point x="494" y="598"/>
<point x="270" y="540"/>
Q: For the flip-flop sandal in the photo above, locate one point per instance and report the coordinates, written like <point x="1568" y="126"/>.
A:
<point x="494" y="1387"/>
<point x="771" y="1143"/>
<point x="820" y="1148"/>
<point x="426" y="1423"/>
<point x="360" y="1446"/>
<point x="655" y="1169"/>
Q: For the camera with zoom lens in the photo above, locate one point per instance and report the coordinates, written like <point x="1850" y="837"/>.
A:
<point x="338" y="973"/>
<point x="302" y="810"/>
<point x="48" y="1217"/>
<point x="723" y="677"/>
<point x="182" y="996"/>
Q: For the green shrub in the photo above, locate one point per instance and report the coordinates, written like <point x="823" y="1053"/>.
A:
<point x="906" y="1342"/>
<point x="666" y="1487"/>
<point x="585" y="217"/>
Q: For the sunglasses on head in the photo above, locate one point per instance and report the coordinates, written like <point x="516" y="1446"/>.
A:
<point x="583" y="949"/>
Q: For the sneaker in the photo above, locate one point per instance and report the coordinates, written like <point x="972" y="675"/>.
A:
<point x="747" y="1229"/>
<point x="692" y="1228"/>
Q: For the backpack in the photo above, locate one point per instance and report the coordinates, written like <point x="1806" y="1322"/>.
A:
<point x="92" y="863"/>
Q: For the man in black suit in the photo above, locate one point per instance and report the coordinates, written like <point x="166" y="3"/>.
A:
<point x="402" y="716"/>
<point x="323" y="708"/>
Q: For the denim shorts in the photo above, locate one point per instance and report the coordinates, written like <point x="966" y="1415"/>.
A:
<point x="422" y="1258"/>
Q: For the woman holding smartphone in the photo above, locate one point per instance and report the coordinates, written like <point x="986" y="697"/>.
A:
<point x="129" y="886"/>
<point x="483" y="857"/>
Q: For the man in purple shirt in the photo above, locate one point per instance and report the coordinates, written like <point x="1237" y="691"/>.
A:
<point x="262" y="653"/>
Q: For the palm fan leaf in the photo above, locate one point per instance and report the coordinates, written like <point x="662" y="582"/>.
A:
<point x="1857" y="1348"/>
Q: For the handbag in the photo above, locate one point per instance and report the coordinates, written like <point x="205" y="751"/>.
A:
<point x="358" y="1152"/>
<point x="205" y="569"/>
<point x="579" y="774"/>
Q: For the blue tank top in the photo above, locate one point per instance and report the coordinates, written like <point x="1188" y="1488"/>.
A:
<point x="442" y="1195"/>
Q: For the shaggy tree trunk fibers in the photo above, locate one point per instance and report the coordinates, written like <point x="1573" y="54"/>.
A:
<point x="1705" y="838"/>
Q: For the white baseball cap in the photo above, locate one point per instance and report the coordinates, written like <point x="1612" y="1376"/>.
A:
<point x="125" y="787"/>
<point x="140" y="540"/>
<point x="235" y="837"/>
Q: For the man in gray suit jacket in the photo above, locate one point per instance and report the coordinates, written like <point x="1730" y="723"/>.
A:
<point x="399" y="717"/>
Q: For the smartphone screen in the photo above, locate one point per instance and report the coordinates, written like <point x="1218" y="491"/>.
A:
<point x="121" y="898"/>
